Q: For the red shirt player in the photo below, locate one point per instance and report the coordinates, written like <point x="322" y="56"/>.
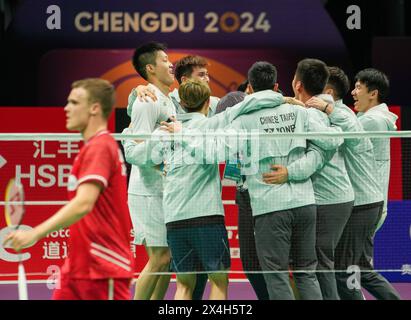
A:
<point x="100" y="262"/>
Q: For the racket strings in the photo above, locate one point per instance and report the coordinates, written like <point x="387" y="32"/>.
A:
<point x="14" y="203"/>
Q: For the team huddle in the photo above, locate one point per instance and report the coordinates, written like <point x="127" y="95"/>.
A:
<point x="309" y="206"/>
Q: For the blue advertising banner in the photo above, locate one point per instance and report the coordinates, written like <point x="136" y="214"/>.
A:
<point x="392" y="243"/>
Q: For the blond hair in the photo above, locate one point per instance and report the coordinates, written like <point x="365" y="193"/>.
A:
<point x="193" y="94"/>
<point x="100" y="91"/>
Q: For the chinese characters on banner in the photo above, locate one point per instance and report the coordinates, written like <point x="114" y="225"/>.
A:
<point x="43" y="167"/>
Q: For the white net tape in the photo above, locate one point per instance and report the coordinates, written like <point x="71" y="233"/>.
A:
<point x="208" y="134"/>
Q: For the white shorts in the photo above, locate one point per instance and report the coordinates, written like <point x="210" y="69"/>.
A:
<point x="147" y="217"/>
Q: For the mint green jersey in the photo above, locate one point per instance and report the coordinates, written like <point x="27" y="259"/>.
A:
<point x="145" y="118"/>
<point x="358" y="157"/>
<point x="192" y="187"/>
<point x="285" y="118"/>
<point x="379" y="118"/>
<point x="191" y="190"/>
<point x="327" y="168"/>
<point x="186" y="172"/>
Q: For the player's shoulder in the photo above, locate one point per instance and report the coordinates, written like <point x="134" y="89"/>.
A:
<point x="373" y="121"/>
<point x="313" y="112"/>
<point x="372" y="115"/>
<point x="148" y="101"/>
<point x="102" y="136"/>
<point x="102" y="146"/>
<point x="342" y="107"/>
<point x="214" y="99"/>
<point x="296" y="108"/>
<point x="141" y="106"/>
<point x="102" y="140"/>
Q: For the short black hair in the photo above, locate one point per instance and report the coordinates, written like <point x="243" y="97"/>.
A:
<point x="313" y="74"/>
<point x="375" y="80"/>
<point x="339" y="81"/>
<point x="243" y="86"/>
<point x="262" y="76"/>
<point x="146" y="54"/>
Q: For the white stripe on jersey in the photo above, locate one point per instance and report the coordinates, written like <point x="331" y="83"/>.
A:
<point x="110" y="259"/>
<point x="110" y="252"/>
<point x="93" y="177"/>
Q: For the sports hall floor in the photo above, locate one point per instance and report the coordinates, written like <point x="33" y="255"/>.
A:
<point x="237" y="291"/>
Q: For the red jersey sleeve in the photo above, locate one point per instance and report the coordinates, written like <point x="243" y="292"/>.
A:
<point x="97" y="164"/>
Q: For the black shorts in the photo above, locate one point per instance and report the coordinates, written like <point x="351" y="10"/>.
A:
<point x="199" y="248"/>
